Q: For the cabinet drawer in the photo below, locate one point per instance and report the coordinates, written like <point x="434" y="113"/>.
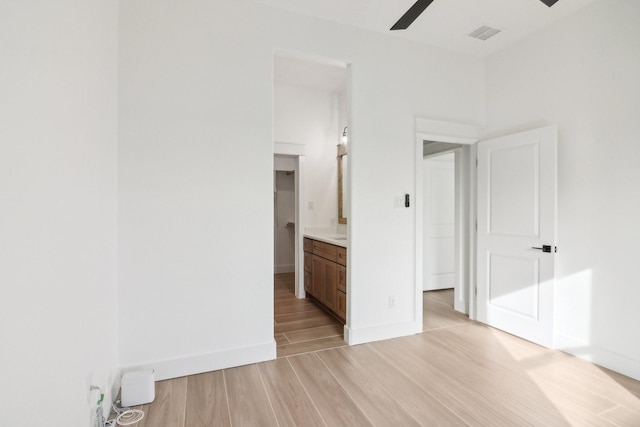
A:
<point x="308" y="261"/>
<point x="308" y="245"/>
<point x="341" y="256"/>
<point x="325" y="250"/>
<point x="342" y="278"/>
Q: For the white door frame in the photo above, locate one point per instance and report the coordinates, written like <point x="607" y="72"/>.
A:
<point x="297" y="152"/>
<point x="456" y="133"/>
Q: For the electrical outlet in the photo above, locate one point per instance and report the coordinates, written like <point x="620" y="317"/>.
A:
<point x="398" y="202"/>
<point x="310" y="205"/>
<point x="392" y="301"/>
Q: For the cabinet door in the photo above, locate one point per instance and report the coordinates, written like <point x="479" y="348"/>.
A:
<point x="342" y="278"/>
<point x="308" y="261"/>
<point x="341" y="304"/>
<point x="308" y="282"/>
<point x="318" y="278"/>
<point x="330" y="284"/>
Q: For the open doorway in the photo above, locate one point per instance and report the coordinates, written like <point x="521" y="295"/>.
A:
<point x="443" y="220"/>
<point x="439" y="222"/>
<point x="288" y="180"/>
<point x="438" y="137"/>
<point x="311" y="116"/>
<point x="300" y="325"/>
<point x="443" y="235"/>
<point x="284" y="224"/>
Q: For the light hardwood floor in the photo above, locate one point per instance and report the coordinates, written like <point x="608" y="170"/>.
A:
<point x="456" y="373"/>
<point x="300" y="326"/>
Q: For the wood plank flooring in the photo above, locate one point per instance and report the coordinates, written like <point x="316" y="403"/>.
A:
<point x="300" y="325"/>
<point x="456" y="373"/>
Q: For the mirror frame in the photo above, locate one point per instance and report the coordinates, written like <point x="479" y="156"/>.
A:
<point x="342" y="151"/>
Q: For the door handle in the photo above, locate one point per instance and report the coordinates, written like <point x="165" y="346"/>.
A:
<point x="546" y="248"/>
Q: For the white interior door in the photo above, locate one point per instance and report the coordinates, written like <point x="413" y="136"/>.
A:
<point x="516" y="214"/>
<point x="439" y="222"/>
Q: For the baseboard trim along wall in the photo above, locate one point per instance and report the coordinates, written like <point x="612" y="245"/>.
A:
<point x="355" y="336"/>
<point x="284" y="268"/>
<point x="191" y="365"/>
<point x="599" y="356"/>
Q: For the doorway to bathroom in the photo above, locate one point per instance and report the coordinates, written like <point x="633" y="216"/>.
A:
<point x="311" y="114"/>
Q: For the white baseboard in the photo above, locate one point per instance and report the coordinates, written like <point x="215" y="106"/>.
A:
<point x="380" y="332"/>
<point x="190" y="365"/>
<point x="285" y="268"/>
<point x="600" y="356"/>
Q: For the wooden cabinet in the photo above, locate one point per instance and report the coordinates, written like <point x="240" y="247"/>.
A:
<point x="341" y="304"/>
<point x="325" y="250"/>
<point x="325" y="275"/>
<point x="342" y="278"/>
<point x="308" y="283"/>
<point x="308" y="267"/>
<point x="318" y="277"/>
<point x="330" y="284"/>
<point x="308" y="245"/>
<point x="341" y="256"/>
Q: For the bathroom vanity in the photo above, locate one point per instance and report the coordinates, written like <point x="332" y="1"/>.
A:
<point x="325" y="273"/>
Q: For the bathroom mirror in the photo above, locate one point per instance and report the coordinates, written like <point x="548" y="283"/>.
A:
<point x="343" y="189"/>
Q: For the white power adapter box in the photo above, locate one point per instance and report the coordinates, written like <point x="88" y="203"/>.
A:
<point x="138" y="388"/>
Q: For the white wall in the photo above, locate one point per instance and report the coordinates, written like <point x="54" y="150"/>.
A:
<point x="390" y="87"/>
<point x="582" y="73"/>
<point x="196" y="108"/>
<point x="310" y="116"/>
<point x="58" y="124"/>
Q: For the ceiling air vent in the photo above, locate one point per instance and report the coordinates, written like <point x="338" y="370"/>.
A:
<point x="484" y="33"/>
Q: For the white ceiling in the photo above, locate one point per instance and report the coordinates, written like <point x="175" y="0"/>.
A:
<point x="446" y="23"/>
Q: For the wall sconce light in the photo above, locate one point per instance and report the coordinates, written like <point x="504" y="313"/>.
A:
<point x="345" y="138"/>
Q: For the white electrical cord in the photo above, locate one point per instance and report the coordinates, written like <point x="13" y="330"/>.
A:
<point x="130" y="416"/>
<point x="125" y="416"/>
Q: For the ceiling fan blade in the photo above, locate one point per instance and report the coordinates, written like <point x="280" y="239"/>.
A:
<point x="549" y="2"/>
<point x="412" y="14"/>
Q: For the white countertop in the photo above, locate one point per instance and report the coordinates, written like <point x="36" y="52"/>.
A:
<point x="334" y="239"/>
